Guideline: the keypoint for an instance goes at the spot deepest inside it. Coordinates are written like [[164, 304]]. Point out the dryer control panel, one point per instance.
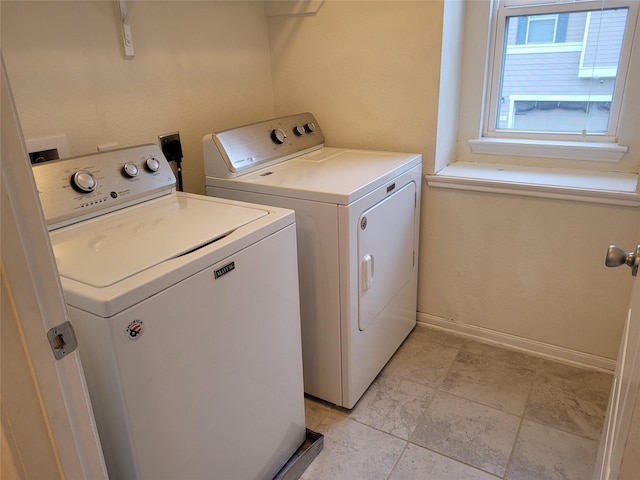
[[245, 149], [75, 189]]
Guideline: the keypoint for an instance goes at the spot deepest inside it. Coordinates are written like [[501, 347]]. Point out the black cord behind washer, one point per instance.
[[172, 149]]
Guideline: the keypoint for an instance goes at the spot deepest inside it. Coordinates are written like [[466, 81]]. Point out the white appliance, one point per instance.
[[357, 215], [186, 311]]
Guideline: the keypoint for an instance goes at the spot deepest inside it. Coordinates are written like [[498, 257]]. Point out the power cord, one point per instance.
[[172, 149]]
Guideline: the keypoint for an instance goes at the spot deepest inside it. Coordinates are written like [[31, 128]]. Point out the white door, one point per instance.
[[620, 443], [48, 428], [385, 248]]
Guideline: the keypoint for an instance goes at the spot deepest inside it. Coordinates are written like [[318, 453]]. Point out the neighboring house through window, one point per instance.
[[556, 68]]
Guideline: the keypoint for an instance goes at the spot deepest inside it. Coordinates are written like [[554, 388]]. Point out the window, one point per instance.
[[541, 29], [518, 160], [558, 69]]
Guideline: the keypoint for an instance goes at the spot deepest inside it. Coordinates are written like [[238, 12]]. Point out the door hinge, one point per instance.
[[62, 340]]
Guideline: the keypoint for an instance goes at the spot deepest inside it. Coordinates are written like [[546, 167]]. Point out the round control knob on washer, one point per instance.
[[299, 130], [278, 136], [84, 181], [130, 170], [310, 127], [153, 164]]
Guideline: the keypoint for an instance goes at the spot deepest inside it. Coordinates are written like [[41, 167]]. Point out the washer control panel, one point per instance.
[[78, 188], [245, 149]]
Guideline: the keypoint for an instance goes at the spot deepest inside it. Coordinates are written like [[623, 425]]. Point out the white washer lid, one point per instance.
[[110, 248], [333, 175]]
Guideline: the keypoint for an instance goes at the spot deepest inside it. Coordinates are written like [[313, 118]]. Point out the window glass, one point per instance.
[[541, 30], [559, 71]]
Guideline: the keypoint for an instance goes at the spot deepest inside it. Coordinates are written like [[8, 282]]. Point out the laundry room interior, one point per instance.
[[517, 265]]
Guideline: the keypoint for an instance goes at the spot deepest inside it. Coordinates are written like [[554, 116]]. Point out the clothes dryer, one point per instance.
[[357, 218]]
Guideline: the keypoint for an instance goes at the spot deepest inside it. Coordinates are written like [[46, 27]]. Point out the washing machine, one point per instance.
[[357, 218], [186, 312]]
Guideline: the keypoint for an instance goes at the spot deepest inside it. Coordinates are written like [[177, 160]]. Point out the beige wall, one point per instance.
[[529, 267], [198, 67], [370, 72]]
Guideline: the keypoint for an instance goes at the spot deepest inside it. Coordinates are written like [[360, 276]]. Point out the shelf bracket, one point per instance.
[[292, 7], [126, 11]]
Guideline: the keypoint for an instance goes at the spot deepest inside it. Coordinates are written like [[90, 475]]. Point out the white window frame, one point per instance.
[[501, 12]]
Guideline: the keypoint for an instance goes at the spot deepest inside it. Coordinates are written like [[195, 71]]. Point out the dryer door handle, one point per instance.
[[367, 272]]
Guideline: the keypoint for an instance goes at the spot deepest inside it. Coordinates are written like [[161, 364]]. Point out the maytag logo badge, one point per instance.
[[224, 270]]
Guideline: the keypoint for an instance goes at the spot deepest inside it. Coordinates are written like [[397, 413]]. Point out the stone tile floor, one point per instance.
[[450, 408]]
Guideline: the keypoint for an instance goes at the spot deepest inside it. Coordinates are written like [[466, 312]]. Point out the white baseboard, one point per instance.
[[533, 347]]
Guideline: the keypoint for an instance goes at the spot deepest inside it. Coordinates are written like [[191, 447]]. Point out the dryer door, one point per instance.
[[386, 252]]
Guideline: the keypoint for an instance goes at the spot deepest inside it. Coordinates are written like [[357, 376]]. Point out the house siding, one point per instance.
[[603, 44]]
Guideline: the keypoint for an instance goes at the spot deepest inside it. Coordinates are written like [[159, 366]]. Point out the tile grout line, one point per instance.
[[395, 465], [522, 418]]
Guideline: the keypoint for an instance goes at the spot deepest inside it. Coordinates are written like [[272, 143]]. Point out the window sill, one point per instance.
[[577, 185], [594, 151]]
